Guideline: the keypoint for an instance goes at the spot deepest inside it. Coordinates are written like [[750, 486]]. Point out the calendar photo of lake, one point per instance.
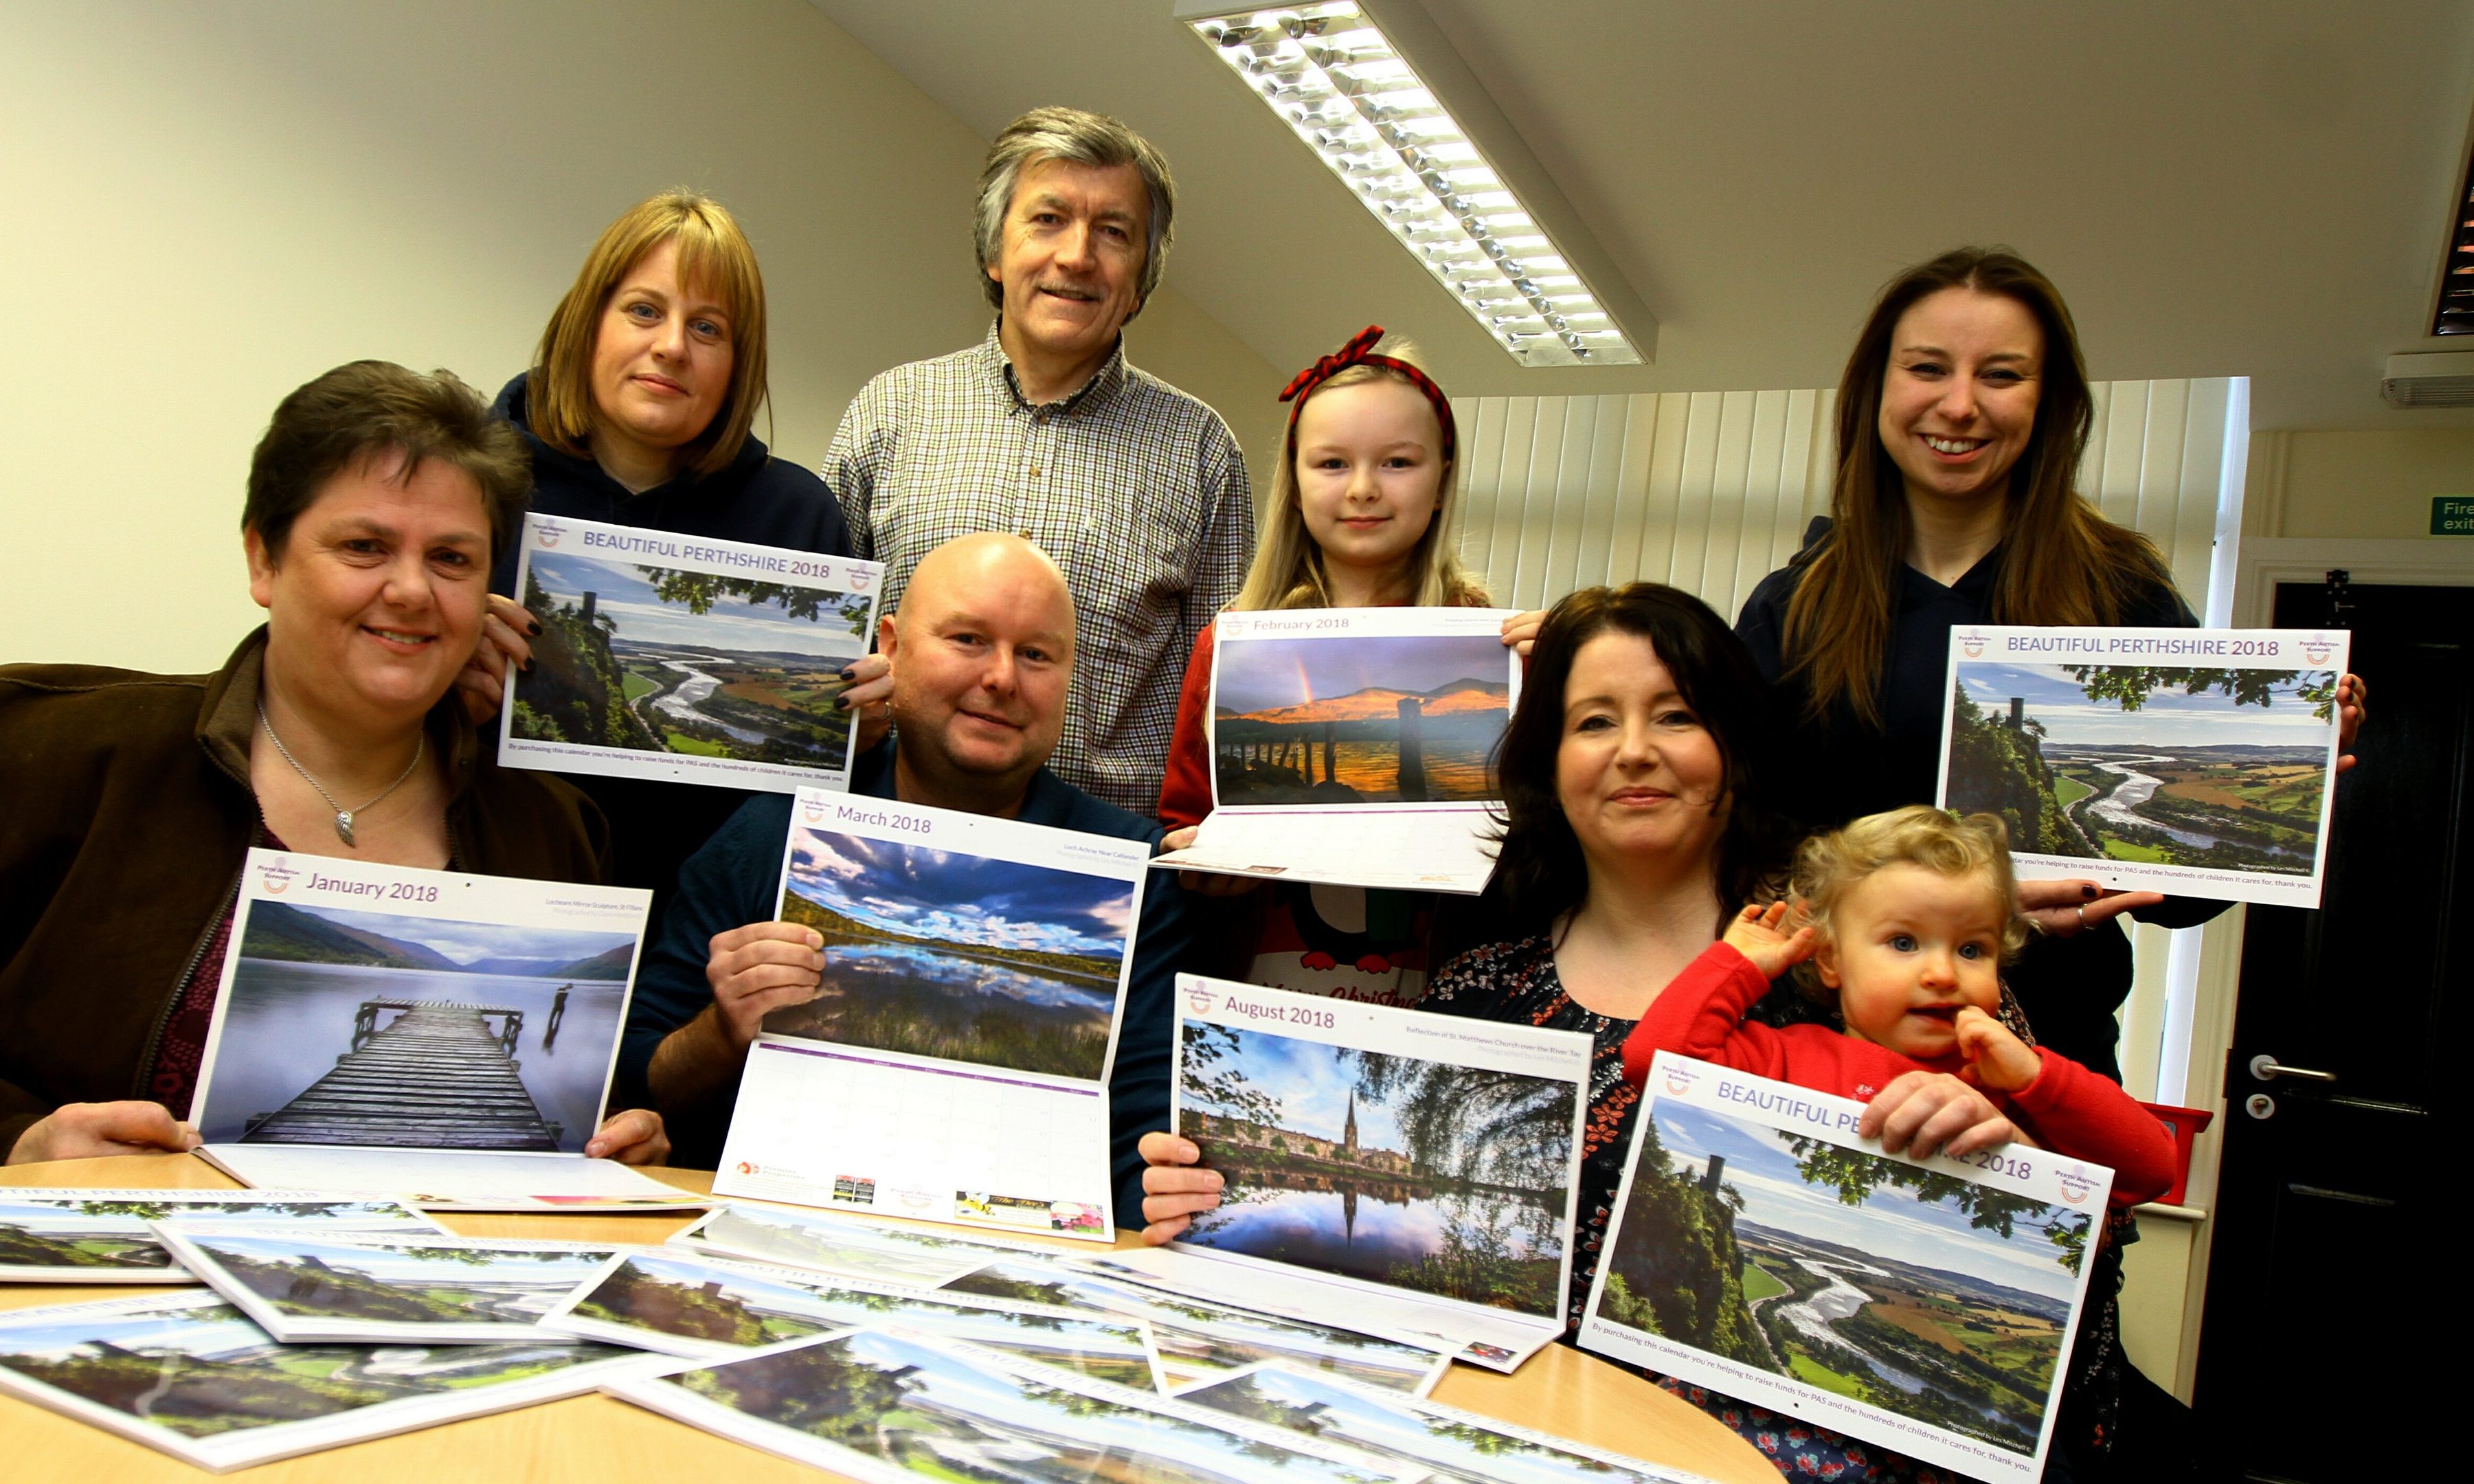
[[964, 957], [347, 1027], [1447, 1180]]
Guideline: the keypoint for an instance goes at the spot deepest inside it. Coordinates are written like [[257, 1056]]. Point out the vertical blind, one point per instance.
[[1709, 491]]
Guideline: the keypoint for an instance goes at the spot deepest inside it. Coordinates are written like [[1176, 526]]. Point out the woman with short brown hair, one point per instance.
[[376, 501]]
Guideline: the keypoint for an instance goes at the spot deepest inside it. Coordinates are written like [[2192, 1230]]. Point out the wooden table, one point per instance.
[[602, 1441]]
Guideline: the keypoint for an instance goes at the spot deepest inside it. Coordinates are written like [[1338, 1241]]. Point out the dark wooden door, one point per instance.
[[2332, 1322]]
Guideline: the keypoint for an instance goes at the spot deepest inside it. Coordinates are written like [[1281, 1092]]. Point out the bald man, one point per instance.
[[982, 651]]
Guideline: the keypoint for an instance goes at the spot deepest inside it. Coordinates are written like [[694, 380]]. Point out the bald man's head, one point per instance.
[[988, 560], [983, 652]]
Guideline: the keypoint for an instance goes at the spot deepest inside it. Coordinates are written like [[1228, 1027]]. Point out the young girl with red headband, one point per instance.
[[1357, 521]]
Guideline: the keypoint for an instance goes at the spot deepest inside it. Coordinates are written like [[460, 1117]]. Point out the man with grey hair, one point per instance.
[[1044, 431]]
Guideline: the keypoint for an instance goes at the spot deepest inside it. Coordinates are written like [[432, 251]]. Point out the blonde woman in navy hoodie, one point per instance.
[[639, 410]]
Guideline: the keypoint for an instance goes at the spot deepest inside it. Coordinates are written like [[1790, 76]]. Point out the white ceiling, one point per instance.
[[2230, 187]]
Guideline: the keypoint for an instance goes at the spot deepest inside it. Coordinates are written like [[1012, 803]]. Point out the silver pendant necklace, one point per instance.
[[342, 816]]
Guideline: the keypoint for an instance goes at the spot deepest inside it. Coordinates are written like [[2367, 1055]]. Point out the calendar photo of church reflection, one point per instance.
[[1446, 1179]]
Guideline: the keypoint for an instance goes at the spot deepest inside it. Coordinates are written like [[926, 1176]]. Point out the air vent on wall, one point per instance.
[[2444, 379]]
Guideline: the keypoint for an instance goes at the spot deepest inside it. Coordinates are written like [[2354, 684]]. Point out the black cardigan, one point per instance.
[[1839, 769]]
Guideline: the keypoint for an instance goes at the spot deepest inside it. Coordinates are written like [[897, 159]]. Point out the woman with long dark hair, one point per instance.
[[1963, 416]]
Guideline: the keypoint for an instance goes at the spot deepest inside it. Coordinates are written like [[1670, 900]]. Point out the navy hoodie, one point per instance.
[[736, 879], [759, 499]]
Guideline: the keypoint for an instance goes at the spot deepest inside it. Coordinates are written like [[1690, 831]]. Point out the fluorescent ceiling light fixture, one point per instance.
[[1335, 78]]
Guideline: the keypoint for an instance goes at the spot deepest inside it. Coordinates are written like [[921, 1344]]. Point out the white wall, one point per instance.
[[2352, 485], [213, 203]]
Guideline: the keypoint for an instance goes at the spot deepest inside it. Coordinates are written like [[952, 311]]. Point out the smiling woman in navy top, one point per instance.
[[1963, 416]]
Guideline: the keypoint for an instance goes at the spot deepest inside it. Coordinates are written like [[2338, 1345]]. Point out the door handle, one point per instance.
[[2267, 1070]]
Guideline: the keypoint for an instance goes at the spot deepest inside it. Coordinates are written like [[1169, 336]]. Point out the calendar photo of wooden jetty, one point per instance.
[[371, 1028], [1358, 719]]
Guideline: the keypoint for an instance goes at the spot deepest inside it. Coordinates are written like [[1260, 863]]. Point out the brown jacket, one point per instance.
[[125, 813]]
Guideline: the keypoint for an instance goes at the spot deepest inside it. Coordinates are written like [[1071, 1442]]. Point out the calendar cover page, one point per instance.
[[892, 1407], [1415, 1170], [953, 1063], [686, 658], [2195, 761], [1352, 745], [1760, 1249], [1200, 1338], [707, 1307], [438, 1035], [60, 1235]]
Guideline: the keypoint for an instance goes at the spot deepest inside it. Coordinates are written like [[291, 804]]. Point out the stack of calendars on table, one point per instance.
[[869, 1348]]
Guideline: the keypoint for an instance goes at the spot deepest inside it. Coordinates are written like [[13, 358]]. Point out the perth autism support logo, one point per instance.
[[2075, 1184], [812, 809], [861, 580], [274, 878], [1971, 645], [548, 533], [1199, 1001], [2318, 649], [1680, 1079]]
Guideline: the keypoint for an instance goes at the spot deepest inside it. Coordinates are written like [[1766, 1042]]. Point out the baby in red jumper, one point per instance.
[[1905, 918]]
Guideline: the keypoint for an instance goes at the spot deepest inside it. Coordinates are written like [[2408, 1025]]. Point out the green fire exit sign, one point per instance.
[[2452, 515]]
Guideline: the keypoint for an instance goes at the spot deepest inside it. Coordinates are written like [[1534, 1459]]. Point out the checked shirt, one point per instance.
[[1135, 489]]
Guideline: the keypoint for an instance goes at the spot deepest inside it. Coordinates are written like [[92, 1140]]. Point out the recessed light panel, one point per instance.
[[1333, 79]]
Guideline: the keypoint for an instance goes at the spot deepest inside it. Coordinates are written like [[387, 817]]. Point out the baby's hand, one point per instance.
[[1755, 933], [1996, 1059]]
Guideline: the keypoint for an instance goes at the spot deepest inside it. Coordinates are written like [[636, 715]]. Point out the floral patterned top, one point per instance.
[[1516, 983]]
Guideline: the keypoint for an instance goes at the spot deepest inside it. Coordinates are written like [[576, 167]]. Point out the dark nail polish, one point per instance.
[[534, 629], [527, 667], [2086, 892], [850, 675], [841, 703]]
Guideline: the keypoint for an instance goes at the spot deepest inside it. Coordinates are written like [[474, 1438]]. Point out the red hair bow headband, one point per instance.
[[1360, 352]]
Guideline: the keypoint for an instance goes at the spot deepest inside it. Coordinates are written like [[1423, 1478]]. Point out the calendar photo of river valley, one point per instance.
[[1876, 1280], [649, 660], [2226, 769]]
